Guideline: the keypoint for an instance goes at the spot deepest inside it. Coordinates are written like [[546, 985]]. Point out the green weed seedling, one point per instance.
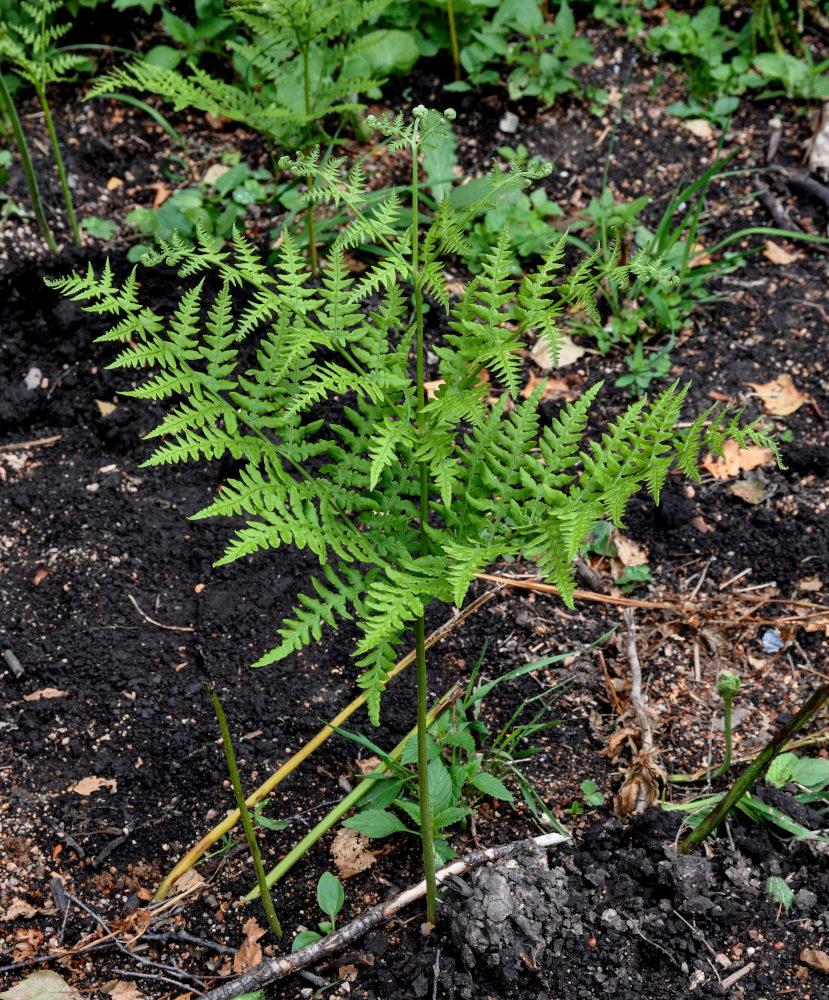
[[330, 898], [540, 61], [403, 498], [27, 47], [592, 798], [527, 215]]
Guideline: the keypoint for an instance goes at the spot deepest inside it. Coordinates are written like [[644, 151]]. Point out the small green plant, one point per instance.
[[632, 577], [527, 215], [705, 814], [215, 206], [403, 498], [540, 62], [466, 764], [645, 368], [27, 45], [785, 75], [330, 898], [591, 799], [779, 891]]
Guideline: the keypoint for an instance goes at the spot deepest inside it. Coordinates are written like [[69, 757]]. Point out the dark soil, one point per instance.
[[117, 618]]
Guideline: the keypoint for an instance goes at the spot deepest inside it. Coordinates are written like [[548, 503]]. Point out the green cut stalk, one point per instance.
[[64, 183], [453, 37], [28, 168], [250, 836], [754, 770], [350, 800]]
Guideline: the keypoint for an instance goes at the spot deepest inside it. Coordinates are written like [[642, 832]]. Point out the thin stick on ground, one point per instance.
[[273, 969], [639, 712]]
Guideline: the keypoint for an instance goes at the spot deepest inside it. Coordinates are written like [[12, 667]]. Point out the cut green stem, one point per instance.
[[754, 770], [28, 169], [64, 183], [241, 805]]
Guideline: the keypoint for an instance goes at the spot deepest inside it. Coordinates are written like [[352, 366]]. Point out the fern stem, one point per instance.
[[64, 183], [312, 236], [453, 37], [426, 832], [28, 169], [250, 836]]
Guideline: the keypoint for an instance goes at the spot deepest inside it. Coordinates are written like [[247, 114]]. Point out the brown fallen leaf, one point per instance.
[[779, 396], [250, 951], [815, 959], [19, 909], [628, 552], [555, 388], [214, 172], [123, 990], [113, 183], [86, 786], [736, 460], [699, 127], [432, 387], [777, 255], [812, 584], [568, 353], [701, 524], [753, 489], [45, 693], [350, 852]]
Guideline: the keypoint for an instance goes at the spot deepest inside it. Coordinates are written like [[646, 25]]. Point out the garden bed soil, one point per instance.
[[115, 618]]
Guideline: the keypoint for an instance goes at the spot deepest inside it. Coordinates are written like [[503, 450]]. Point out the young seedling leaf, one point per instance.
[[779, 891], [330, 895], [376, 823]]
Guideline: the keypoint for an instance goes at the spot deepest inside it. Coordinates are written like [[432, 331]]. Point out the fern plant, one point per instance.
[[404, 498], [295, 67], [27, 45]]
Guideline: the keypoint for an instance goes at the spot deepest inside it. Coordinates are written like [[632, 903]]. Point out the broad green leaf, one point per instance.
[[812, 772], [304, 938], [440, 785], [780, 770], [490, 785], [376, 823], [330, 895]]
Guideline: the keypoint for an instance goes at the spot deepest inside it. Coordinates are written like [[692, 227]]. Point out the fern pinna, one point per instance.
[[351, 491]]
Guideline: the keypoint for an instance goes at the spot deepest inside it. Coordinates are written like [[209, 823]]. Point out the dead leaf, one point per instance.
[[432, 387], [348, 972], [45, 693], [812, 584], [365, 765], [162, 193], [214, 172], [629, 552], [39, 576], [122, 990], [699, 256], [42, 985], [777, 255], [701, 524], [113, 183], [250, 951], [19, 908], [736, 460], [555, 388], [216, 122], [350, 852], [25, 944], [568, 352], [104, 407], [699, 127], [615, 741], [779, 396], [815, 959], [753, 489], [190, 880], [86, 786]]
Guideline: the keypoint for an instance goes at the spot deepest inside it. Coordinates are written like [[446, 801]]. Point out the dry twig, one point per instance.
[[277, 968]]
